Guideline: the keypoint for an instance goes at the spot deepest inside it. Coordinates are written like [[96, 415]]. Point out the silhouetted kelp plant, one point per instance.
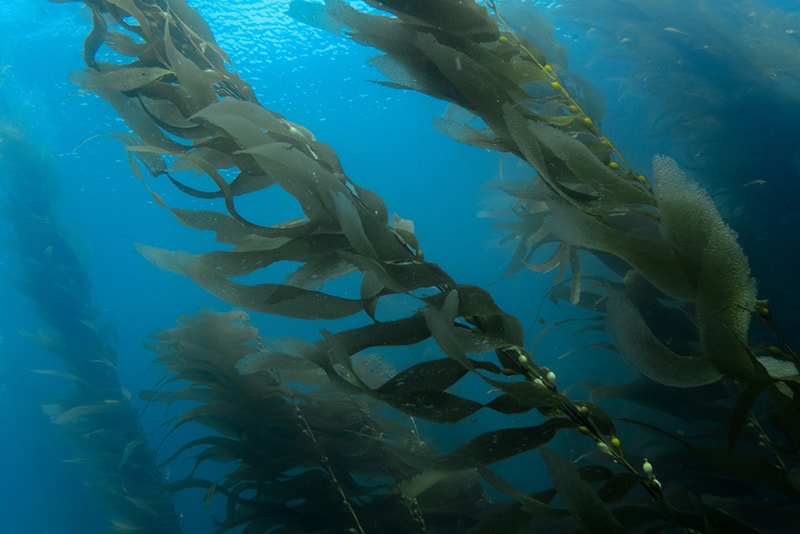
[[105, 435], [314, 439]]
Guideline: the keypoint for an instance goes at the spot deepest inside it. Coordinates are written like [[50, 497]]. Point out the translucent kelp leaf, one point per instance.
[[711, 258], [426, 480], [468, 135], [579, 497], [637, 344]]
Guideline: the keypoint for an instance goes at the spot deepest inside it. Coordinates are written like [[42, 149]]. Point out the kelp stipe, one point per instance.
[[107, 441]]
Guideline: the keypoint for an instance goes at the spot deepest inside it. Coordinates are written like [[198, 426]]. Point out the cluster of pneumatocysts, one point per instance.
[[572, 104], [580, 414]]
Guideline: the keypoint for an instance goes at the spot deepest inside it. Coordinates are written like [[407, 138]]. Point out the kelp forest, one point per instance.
[[334, 431]]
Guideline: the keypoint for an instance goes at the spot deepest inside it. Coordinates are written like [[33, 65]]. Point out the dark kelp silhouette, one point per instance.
[[107, 437], [276, 408]]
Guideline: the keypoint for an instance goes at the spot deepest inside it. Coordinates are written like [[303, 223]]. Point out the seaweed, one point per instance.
[[102, 428], [307, 433]]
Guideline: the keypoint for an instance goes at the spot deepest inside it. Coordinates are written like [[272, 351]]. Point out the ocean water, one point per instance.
[[385, 140]]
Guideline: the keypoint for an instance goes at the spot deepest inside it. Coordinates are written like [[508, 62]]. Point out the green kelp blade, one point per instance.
[[492, 447], [579, 497]]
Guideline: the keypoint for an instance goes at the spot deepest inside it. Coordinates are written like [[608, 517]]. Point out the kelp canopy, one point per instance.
[[276, 408]]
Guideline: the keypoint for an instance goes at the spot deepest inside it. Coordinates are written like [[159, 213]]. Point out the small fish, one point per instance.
[[755, 182], [212, 490], [123, 526], [675, 30]]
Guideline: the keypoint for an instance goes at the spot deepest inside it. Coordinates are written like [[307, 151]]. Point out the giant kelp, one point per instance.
[[189, 110], [721, 83], [671, 235], [104, 431]]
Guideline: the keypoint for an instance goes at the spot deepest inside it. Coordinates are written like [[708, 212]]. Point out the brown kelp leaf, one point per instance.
[[307, 249], [532, 506], [426, 480], [230, 230], [197, 83], [616, 186], [739, 464], [436, 375], [269, 298], [440, 323], [124, 44], [437, 406], [74, 413], [463, 133], [523, 395], [647, 354], [579, 496], [618, 486], [401, 332], [122, 78], [132, 111], [492, 447], [467, 19]]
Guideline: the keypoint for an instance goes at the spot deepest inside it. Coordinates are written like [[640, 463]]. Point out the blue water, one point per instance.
[[386, 143]]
